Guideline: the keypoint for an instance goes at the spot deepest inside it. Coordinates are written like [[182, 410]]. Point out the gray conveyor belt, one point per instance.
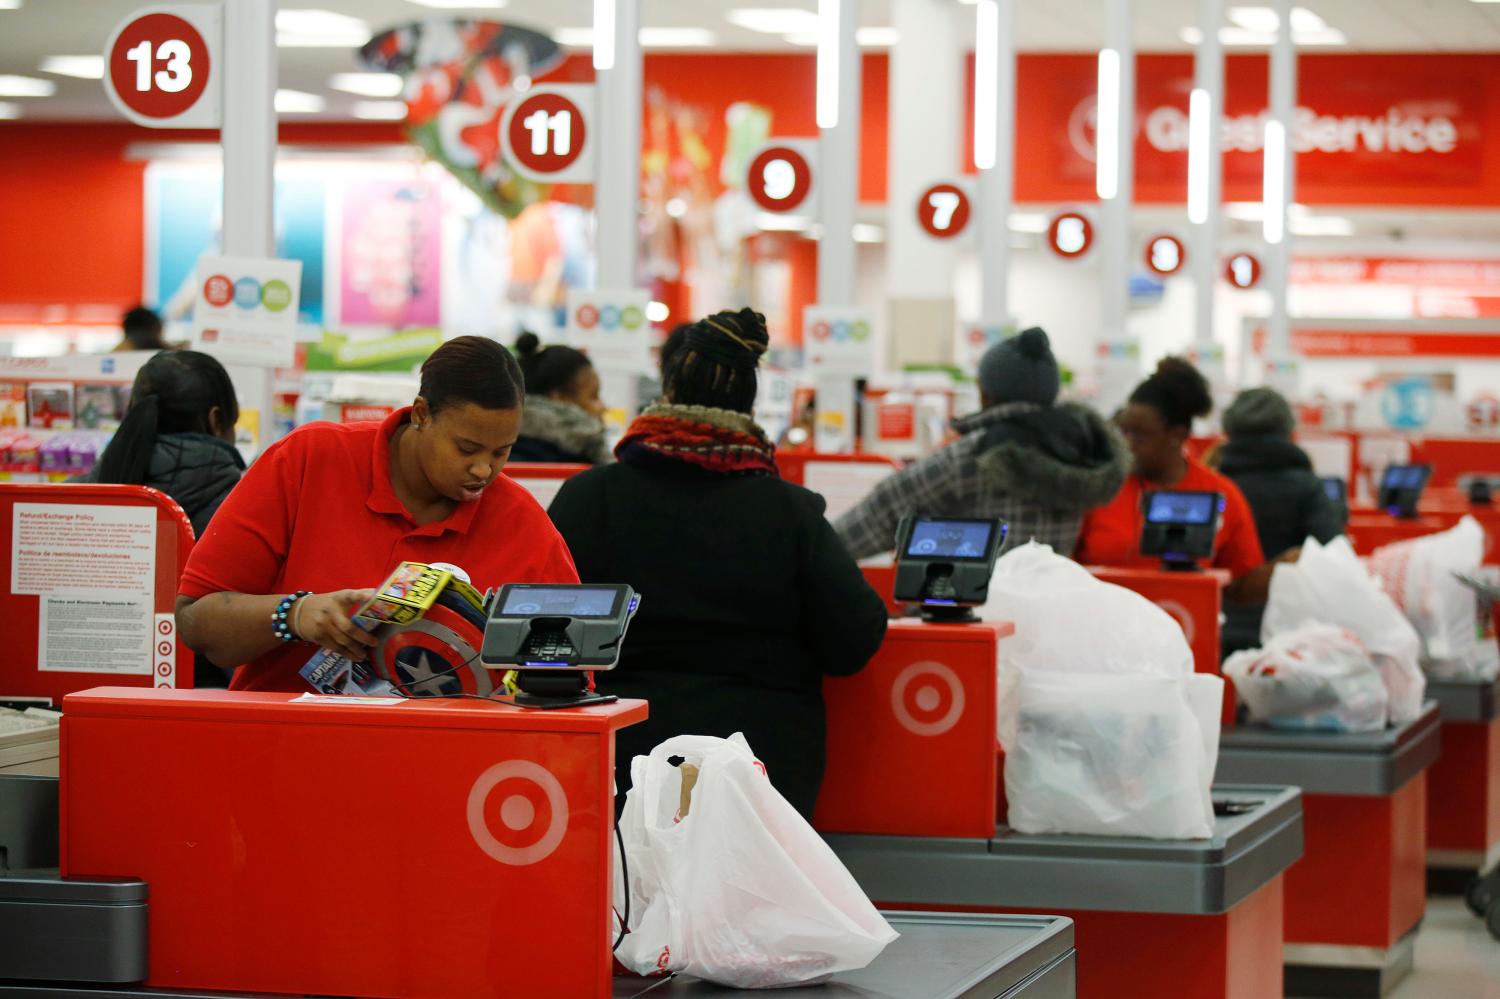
[[1349, 763], [937, 956], [1100, 873], [1465, 700]]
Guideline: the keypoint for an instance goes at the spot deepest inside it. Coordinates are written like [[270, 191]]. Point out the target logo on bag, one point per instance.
[[927, 698], [518, 812], [1182, 617]]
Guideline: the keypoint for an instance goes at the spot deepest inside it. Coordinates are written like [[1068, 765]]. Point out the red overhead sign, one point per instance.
[[1357, 344]]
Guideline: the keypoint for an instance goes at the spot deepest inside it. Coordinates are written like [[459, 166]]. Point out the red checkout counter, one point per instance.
[[909, 803]]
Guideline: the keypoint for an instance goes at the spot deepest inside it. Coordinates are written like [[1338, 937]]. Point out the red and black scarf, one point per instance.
[[714, 440]]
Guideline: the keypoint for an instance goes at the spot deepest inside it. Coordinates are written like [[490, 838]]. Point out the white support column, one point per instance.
[[994, 151], [1280, 181], [248, 138], [617, 64], [1206, 167], [1115, 172], [838, 115]]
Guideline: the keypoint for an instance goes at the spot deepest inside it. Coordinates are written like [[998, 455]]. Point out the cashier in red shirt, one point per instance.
[[1156, 424], [332, 508]]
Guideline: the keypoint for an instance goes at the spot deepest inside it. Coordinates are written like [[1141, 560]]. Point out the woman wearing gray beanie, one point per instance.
[[1034, 464], [1285, 496]]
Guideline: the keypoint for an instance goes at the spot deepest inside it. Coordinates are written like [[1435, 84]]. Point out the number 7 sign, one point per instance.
[[161, 66], [545, 133], [943, 210]]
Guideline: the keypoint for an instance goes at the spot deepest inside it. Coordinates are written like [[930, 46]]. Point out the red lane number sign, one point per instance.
[[1165, 255], [1070, 235], [160, 68], [780, 178], [546, 134], [943, 210], [1242, 270]]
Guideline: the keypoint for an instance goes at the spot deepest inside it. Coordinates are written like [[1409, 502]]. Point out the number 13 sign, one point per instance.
[[161, 66], [545, 134]]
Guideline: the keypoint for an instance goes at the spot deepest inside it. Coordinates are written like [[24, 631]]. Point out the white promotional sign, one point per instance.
[[611, 327], [1118, 371], [245, 311], [839, 341], [161, 66], [547, 135]]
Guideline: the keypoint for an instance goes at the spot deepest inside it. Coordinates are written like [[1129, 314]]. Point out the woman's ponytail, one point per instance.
[[127, 459]]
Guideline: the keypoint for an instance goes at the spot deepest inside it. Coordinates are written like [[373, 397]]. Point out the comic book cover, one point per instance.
[[405, 596]]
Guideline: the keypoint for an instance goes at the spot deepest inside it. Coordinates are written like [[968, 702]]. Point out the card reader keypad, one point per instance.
[[548, 646]]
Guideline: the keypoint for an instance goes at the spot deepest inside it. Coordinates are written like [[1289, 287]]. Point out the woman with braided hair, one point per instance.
[[748, 597]]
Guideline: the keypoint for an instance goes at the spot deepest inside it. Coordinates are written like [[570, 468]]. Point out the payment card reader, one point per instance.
[[945, 564], [1401, 489], [554, 636], [1180, 527]]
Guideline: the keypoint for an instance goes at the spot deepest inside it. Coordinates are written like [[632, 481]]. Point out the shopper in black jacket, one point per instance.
[[563, 419], [1285, 495], [178, 437], [748, 597]]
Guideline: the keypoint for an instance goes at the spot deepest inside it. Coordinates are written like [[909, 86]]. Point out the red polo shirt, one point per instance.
[[1111, 534], [317, 512]]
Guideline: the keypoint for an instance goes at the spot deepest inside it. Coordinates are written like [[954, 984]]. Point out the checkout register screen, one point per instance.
[[1181, 508], [564, 602], [949, 539]]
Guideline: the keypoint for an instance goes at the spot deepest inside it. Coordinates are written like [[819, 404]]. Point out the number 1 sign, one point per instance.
[[545, 134], [161, 66]]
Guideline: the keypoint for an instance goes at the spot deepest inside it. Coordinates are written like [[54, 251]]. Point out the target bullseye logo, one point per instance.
[[1182, 616], [927, 698], [509, 832]]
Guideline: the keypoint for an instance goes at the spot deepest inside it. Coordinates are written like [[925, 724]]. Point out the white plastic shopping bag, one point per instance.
[[1106, 728], [741, 891], [1317, 677], [1423, 577], [1329, 585]]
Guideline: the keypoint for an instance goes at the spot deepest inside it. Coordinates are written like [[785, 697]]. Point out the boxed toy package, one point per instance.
[[428, 625]]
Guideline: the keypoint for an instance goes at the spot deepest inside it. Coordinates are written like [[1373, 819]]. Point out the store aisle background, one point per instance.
[[1456, 958]]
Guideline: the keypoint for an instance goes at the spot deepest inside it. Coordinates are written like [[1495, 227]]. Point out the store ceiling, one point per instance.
[[41, 28]]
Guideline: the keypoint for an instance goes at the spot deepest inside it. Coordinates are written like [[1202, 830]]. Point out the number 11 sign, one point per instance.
[[161, 66], [545, 134]]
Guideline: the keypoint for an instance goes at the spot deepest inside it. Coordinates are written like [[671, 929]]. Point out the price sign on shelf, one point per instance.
[[780, 175], [1165, 254], [943, 210], [161, 66], [546, 134], [1070, 235], [1242, 270]]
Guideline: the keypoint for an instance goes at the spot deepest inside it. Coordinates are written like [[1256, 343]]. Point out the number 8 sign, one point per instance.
[[161, 66], [545, 134]]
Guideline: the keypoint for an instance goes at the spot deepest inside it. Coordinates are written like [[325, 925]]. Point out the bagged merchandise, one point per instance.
[[1329, 585], [728, 882], [1423, 577], [1107, 730], [1317, 677]]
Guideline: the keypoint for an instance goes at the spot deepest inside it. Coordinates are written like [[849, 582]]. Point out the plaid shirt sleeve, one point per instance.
[[929, 485]]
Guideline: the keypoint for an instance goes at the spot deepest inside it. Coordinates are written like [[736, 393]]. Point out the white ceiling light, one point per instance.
[[460, 4], [367, 84], [869, 38], [26, 86], [298, 102], [380, 110], [826, 102], [650, 38], [866, 232], [657, 312], [84, 67], [8, 111], [10, 4], [1261, 19], [319, 29], [604, 34], [1107, 132], [772, 222], [986, 83], [775, 20], [1034, 222], [1320, 225], [1255, 27]]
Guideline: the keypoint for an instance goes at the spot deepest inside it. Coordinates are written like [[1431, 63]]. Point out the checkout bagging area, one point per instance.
[[1012, 806]]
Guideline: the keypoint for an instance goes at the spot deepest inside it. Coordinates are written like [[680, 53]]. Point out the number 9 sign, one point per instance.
[[161, 66], [780, 175]]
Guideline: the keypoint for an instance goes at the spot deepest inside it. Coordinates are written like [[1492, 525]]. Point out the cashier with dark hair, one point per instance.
[[1156, 424], [330, 510], [748, 597]]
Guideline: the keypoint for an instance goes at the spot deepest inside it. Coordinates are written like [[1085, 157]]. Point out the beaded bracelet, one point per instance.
[[279, 624]]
